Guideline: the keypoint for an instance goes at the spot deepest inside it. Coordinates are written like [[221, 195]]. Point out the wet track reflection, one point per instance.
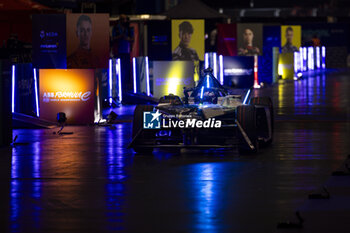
[[91, 182]]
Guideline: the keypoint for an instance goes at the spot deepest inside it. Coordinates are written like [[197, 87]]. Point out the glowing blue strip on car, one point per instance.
[[246, 97]]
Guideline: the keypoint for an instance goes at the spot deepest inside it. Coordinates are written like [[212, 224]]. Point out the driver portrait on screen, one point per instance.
[[289, 47], [83, 57], [183, 52], [248, 49]]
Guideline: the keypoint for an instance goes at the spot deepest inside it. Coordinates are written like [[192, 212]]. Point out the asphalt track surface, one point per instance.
[[90, 182]]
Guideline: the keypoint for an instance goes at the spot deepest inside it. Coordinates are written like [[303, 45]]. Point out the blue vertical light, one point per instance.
[[301, 59], [13, 87], [208, 83], [118, 72], [110, 82], [206, 60], [305, 59], [221, 63], [147, 77], [36, 93], [310, 58], [323, 57], [215, 65], [134, 73], [318, 65]]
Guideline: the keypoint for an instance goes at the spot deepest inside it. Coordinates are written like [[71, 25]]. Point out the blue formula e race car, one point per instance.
[[208, 116]]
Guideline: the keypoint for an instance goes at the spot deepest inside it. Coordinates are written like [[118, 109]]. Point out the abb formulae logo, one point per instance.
[[66, 96]]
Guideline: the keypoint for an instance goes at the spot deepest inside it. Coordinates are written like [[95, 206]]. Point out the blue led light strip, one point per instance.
[[305, 59], [13, 88], [36, 93], [134, 73], [147, 77], [318, 65], [119, 73], [206, 60], [215, 65], [323, 50], [221, 63], [301, 59], [310, 58], [110, 82]]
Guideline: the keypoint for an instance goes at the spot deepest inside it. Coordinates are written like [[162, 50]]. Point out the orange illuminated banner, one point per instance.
[[69, 91]]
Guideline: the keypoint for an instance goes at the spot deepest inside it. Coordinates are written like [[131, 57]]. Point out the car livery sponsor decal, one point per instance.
[[155, 120]]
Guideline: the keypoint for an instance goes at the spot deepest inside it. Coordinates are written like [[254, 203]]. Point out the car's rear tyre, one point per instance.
[[246, 117], [137, 125], [265, 101]]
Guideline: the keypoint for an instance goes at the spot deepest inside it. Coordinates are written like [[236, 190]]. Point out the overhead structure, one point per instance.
[[17, 5], [193, 9]]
